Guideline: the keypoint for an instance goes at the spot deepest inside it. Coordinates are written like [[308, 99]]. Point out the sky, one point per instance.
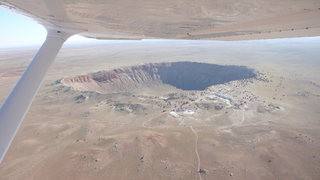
[[18, 31]]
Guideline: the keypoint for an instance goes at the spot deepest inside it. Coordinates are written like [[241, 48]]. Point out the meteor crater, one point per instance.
[[182, 75]]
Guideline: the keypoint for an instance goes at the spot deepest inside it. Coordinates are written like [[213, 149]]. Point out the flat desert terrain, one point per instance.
[[202, 110]]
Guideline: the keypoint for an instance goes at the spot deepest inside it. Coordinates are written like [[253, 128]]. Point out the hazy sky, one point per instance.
[[18, 31]]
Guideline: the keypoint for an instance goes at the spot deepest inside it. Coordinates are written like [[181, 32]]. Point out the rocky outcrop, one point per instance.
[[182, 75]]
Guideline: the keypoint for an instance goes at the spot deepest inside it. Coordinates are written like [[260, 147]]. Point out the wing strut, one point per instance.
[[19, 100]]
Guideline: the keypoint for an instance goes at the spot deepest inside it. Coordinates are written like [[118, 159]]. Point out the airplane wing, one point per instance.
[[147, 19], [176, 19]]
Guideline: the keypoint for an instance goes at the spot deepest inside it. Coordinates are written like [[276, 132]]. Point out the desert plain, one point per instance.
[[102, 114]]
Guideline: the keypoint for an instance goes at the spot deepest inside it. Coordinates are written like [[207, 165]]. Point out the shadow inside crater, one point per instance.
[[199, 76]]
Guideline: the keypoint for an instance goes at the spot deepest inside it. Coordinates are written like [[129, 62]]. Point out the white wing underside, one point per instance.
[[176, 19]]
